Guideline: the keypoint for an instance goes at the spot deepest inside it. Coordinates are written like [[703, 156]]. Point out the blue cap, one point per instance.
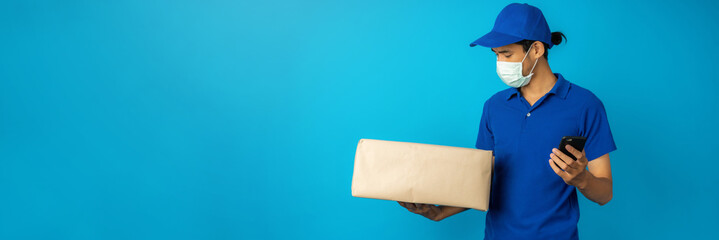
[[515, 23]]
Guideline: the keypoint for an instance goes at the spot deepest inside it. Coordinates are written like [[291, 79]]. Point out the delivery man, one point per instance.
[[531, 197]]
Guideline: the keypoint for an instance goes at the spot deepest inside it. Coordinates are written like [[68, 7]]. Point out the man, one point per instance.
[[533, 194]]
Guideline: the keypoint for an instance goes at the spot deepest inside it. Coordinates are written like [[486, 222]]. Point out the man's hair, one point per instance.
[[556, 40]]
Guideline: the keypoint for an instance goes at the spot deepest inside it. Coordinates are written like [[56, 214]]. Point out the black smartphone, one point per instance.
[[576, 141]]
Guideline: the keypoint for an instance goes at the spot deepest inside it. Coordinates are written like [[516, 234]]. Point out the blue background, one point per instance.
[[239, 119]]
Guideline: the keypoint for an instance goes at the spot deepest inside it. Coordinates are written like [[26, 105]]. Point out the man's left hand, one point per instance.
[[573, 172]]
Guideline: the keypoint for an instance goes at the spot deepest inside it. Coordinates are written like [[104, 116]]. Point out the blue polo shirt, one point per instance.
[[528, 200]]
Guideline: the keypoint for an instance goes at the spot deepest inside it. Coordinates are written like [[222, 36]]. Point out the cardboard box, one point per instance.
[[422, 173]]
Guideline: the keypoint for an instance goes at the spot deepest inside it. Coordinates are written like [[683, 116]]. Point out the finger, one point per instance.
[[584, 159], [556, 169], [563, 157], [575, 165], [580, 163], [559, 162], [417, 207], [438, 210], [423, 208], [410, 205], [577, 154], [435, 210]]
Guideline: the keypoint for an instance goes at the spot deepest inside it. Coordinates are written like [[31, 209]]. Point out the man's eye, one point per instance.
[[507, 55]]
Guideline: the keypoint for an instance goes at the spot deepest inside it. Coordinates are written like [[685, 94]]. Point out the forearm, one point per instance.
[[597, 189], [447, 211]]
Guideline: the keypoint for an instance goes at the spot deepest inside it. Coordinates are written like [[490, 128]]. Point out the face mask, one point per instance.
[[511, 72]]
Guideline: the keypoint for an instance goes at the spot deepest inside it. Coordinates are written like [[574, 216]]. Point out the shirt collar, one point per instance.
[[560, 88]]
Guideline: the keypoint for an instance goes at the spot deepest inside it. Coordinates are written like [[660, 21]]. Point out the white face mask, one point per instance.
[[511, 72]]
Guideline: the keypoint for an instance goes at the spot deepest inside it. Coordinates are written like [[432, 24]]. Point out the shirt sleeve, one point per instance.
[[595, 127], [485, 138]]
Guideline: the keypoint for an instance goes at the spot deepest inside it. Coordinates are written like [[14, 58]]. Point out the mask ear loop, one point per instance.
[[535, 61], [535, 64], [525, 55]]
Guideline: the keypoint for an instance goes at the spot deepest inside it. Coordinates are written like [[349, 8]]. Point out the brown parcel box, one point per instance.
[[422, 173]]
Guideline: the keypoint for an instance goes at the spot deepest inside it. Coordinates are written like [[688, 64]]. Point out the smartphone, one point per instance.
[[576, 141]]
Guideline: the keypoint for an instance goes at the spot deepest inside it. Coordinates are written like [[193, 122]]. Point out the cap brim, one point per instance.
[[495, 39]]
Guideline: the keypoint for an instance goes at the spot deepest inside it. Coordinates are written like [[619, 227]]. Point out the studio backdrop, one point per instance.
[[240, 119]]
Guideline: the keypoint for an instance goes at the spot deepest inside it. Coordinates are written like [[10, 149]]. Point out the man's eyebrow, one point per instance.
[[501, 51]]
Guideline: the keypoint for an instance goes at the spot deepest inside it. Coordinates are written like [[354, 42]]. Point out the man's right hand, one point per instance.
[[427, 210]]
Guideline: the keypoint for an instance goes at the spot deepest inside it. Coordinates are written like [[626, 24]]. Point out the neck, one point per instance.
[[542, 81]]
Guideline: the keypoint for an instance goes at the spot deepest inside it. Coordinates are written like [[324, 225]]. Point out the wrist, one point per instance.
[[584, 179]]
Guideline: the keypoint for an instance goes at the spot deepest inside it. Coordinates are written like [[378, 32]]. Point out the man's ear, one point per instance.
[[537, 49]]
